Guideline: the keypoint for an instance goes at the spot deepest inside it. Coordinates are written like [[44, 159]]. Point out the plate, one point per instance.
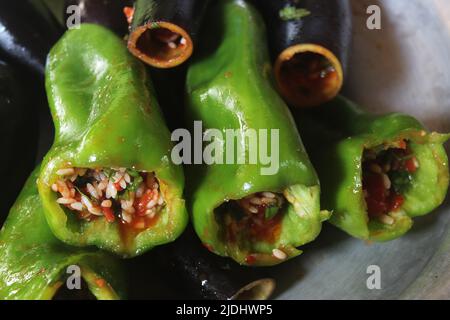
[[402, 67]]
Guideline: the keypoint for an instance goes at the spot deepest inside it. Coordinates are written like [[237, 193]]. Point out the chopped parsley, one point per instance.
[[271, 212], [293, 13], [401, 180]]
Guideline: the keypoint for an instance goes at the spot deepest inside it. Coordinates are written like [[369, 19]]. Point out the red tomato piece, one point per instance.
[[376, 199], [109, 214], [142, 202], [410, 165]]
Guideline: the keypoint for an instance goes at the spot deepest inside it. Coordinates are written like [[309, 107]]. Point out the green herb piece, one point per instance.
[[293, 13], [271, 212], [401, 180], [134, 185], [108, 172]]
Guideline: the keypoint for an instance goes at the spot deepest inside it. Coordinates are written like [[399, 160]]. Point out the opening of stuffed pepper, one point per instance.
[[161, 44], [308, 75], [388, 172], [254, 218], [122, 195]]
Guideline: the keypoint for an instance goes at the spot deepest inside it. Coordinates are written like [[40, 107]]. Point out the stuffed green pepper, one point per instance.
[[107, 180], [377, 172], [255, 211], [35, 265]]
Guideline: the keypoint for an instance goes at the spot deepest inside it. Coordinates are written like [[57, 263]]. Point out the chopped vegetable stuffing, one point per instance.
[[256, 217], [293, 13], [128, 195], [387, 175]]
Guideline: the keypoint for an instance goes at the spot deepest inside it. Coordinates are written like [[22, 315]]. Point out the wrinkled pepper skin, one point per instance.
[[105, 115], [229, 87], [33, 264], [19, 133], [335, 136]]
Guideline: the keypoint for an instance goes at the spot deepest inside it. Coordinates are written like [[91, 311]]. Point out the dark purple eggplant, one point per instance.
[[108, 13], [166, 82], [163, 33], [18, 133], [309, 42], [25, 35], [202, 275]]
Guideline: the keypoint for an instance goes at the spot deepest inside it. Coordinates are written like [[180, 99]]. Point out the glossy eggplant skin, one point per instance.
[[179, 16], [328, 25], [185, 13], [207, 276], [166, 82], [25, 35], [18, 133], [107, 13]]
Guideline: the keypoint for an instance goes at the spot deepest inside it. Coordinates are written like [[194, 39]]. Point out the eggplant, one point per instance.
[[166, 82], [25, 35], [309, 42], [163, 33], [206, 276], [19, 132], [108, 13]]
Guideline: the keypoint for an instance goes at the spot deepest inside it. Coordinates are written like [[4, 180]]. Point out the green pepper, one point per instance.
[[229, 87], [377, 172], [108, 179], [34, 263]]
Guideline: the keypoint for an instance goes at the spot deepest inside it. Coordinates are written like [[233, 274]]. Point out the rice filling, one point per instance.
[[256, 217], [117, 194]]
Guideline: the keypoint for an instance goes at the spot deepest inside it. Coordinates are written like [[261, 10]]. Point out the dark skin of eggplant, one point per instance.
[[166, 82], [328, 25], [202, 274], [19, 132], [108, 13], [185, 14], [26, 36]]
